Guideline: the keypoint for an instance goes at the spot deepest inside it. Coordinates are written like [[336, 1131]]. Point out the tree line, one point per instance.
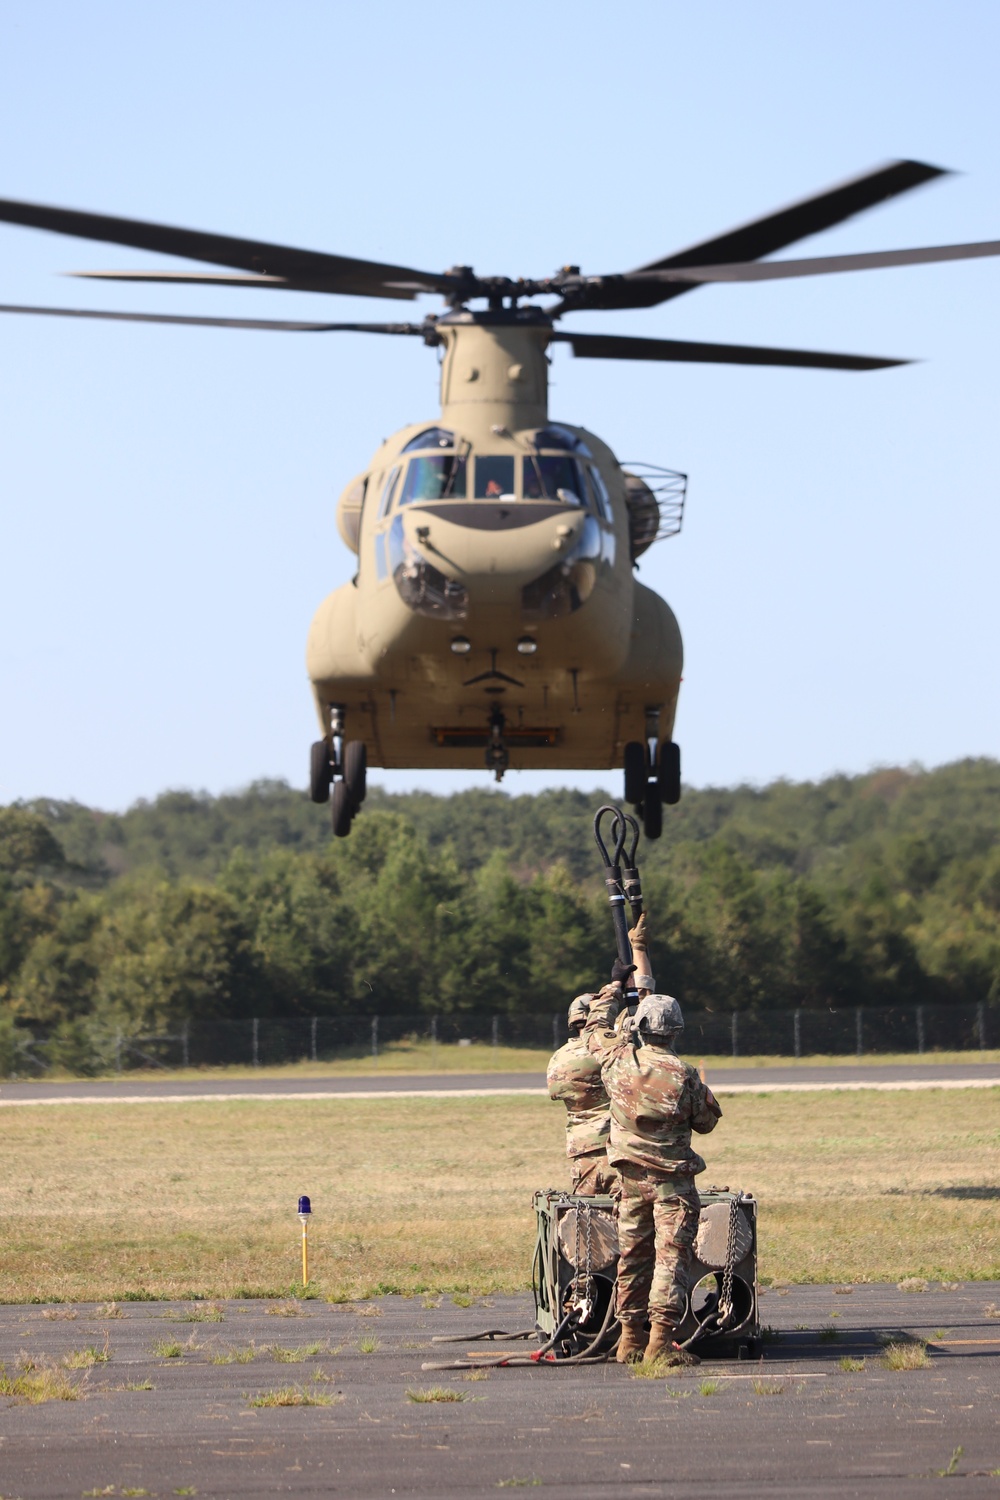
[[870, 890]]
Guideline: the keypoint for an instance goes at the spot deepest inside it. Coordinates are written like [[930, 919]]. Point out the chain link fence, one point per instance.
[[263, 1042]]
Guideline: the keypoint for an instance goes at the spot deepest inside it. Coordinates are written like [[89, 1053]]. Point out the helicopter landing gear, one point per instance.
[[342, 767], [320, 771], [652, 812], [652, 775], [497, 754], [342, 810], [356, 770], [636, 762]]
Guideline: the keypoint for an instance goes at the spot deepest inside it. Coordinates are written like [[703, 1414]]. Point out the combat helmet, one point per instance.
[[578, 1010], [658, 1016]]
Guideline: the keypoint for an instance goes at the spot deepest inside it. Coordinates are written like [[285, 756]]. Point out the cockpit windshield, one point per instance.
[[437, 477], [553, 476]]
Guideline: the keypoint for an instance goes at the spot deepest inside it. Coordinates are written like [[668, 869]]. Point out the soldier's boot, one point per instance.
[[662, 1346], [631, 1344]]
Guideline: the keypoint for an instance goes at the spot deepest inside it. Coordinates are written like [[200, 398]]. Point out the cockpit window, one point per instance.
[[437, 478], [601, 496], [431, 437], [494, 477], [387, 489], [546, 474], [557, 436]]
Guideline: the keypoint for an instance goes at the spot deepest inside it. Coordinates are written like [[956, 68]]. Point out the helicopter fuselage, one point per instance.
[[495, 581]]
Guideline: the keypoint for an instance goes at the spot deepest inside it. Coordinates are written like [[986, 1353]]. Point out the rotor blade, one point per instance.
[[310, 269], [268, 324], [778, 270], [761, 236], [616, 346]]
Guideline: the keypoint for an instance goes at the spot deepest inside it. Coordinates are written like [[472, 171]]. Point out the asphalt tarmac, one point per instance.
[[147, 1422], [724, 1080]]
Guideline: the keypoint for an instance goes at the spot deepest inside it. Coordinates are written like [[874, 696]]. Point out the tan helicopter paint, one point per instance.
[[595, 672]]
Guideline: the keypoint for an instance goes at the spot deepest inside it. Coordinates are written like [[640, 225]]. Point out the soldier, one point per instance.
[[656, 1101], [574, 1076]]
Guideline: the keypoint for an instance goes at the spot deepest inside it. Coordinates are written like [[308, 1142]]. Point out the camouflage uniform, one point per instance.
[[574, 1076], [656, 1101]]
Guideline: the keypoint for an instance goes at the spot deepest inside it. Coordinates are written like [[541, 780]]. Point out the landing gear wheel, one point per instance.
[[320, 771], [636, 771], [668, 773], [652, 812], [356, 770], [342, 812]]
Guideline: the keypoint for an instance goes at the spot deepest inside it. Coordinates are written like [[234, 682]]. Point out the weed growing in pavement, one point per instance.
[[850, 1366], [909, 1356], [941, 1333], [38, 1383], [135, 1490], [517, 1484], [477, 1375], [708, 1388], [462, 1299], [436, 1393], [913, 1284], [67, 1313], [369, 1310], [205, 1313], [85, 1359], [287, 1310], [991, 1310], [186, 1489], [769, 1335], [843, 1291], [167, 1349], [952, 1463], [651, 1369], [829, 1334], [291, 1395], [110, 1310], [950, 1286], [108, 1489], [767, 1388], [369, 1344], [431, 1304], [136, 1385], [238, 1355], [287, 1356]]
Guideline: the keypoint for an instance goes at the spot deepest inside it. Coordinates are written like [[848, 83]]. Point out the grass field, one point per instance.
[[115, 1201], [419, 1056]]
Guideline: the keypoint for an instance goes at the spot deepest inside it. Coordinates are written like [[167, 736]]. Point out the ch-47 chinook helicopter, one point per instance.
[[495, 607]]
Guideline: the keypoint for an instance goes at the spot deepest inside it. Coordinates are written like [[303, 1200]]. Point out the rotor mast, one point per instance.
[[495, 373]]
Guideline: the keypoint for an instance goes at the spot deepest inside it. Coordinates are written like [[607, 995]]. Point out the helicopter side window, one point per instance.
[[601, 496], [435, 477], [431, 437], [546, 474], [494, 477], [558, 436], [387, 489]]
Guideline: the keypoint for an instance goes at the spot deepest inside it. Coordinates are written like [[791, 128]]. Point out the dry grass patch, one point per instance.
[[114, 1219], [767, 1387], [38, 1382], [238, 1355], [849, 1365], [291, 1395], [287, 1309], [436, 1393], [292, 1356], [910, 1355], [85, 1359]]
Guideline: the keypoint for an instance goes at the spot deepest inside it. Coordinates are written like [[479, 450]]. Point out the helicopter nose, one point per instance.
[[493, 550]]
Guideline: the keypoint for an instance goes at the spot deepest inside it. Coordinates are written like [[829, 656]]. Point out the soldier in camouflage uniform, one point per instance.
[[574, 1076], [656, 1101]]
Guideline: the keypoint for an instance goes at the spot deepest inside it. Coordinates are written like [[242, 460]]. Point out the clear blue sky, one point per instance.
[[168, 494]]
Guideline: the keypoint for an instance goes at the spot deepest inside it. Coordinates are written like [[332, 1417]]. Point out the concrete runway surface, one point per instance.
[[806, 1428], [724, 1080]]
